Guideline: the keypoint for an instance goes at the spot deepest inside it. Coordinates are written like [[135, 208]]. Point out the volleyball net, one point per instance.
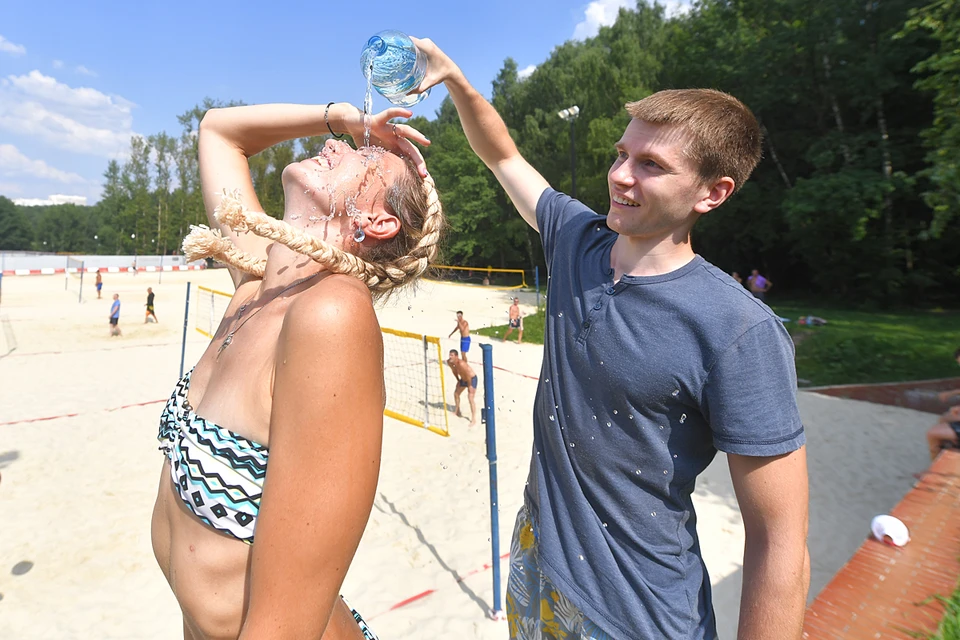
[[73, 277], [412, 370], [479, 276]]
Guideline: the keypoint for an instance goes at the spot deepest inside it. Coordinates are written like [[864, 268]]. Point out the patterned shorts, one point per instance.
[[536, 610]]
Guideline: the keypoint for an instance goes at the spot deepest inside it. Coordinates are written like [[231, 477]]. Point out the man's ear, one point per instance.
[[719, 192]]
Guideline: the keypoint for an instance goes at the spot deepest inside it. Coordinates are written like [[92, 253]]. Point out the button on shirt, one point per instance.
[[643, 380]]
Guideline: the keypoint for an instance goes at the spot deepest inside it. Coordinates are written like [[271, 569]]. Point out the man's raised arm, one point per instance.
[[486, 132]]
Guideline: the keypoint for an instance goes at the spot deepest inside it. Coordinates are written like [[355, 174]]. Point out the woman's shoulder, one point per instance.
[[338, 306]]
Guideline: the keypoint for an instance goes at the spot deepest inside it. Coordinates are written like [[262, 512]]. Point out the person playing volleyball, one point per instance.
[[293, 374], [466, 380], [464, 328]]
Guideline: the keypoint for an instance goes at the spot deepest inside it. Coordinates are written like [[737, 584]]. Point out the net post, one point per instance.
[[488, 414], [426, 381], [66, 273], [536, 280], [83, 264], [186, 321], [160, 277]]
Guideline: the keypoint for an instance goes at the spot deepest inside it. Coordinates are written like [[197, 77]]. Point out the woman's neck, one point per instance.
[[285, 266]]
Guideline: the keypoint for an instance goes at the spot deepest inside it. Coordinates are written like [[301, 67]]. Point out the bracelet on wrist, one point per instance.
[[326, 120]]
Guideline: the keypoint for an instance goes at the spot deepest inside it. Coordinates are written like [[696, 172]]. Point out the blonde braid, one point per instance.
[[203, 242], [379, 278]]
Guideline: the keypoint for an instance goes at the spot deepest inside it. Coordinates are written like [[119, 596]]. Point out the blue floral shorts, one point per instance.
[[536, 610]]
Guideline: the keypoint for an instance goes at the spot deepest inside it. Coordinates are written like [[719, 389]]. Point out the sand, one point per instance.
[[80, 465]]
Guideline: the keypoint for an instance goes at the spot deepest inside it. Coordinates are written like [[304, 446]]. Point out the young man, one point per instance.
[[150, 310], [464, 328], [516, 321], [99, 283], [654, 359], [115, 316], [466, 379]]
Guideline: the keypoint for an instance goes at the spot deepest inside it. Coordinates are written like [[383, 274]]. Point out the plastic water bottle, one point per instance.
[[394, 66]]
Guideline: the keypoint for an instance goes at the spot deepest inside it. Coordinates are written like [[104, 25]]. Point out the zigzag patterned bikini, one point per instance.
[[218, 474]]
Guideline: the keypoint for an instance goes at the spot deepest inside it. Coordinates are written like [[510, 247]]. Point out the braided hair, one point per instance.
[[391, 264]]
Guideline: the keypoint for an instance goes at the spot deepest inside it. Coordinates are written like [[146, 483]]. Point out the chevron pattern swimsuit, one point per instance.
[[218, 474]]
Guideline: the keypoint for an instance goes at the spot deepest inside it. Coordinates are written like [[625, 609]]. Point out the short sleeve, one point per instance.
[[554, 210], [750, 396]]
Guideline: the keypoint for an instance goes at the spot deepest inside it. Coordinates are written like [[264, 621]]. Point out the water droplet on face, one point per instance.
[[552, 419], [683, 418]]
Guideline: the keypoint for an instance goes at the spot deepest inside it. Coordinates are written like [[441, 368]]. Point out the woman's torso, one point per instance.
[[208, 570]]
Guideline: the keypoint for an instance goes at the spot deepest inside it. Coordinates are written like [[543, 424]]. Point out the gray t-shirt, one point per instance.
[[643, 381]]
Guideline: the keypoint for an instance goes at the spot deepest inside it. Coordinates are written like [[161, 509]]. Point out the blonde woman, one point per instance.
[[258, 550]]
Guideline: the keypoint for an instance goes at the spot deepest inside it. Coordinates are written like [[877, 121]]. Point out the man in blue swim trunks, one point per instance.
[[464, 328], [466, 379]]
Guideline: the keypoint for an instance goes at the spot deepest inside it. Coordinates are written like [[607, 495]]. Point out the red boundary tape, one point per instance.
[[73, 415]]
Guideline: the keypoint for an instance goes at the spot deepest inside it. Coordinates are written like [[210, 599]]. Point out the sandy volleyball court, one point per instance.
[[80, 465]]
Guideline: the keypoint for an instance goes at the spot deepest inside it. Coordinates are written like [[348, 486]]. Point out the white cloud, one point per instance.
[[82, 70], [14, 163], [58, 64], [603, 13], [78, 119], [14, 49], [54, 199], [526, 72], [599, 13]]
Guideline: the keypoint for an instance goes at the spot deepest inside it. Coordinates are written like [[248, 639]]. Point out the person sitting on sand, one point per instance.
[[945, 434], [293, 375], [466, 379]]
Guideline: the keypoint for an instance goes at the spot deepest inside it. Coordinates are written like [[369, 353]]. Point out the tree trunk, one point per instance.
[[773, 155], [835, 108]]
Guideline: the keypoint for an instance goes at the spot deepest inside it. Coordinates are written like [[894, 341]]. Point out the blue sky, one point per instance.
[[77, 80]]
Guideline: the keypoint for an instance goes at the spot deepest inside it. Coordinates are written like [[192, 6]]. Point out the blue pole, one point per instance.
[[488, 415], [186, 321], [536, 279]]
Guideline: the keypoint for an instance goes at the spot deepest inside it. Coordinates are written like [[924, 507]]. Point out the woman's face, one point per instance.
[[340, 181]]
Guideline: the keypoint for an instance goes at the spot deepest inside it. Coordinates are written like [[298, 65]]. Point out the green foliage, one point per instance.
[[949, 628], [16, 233]]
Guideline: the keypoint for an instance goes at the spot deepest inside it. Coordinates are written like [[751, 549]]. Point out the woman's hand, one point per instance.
[[392, 136], [440, 67]]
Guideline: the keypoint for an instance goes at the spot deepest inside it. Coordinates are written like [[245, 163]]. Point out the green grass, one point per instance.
[[532, 329], [853, 347], [949, 628], [873, 346]]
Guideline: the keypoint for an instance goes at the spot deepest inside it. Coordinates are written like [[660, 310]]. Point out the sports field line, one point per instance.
[[424, 594], [74, 415], [24, 354]]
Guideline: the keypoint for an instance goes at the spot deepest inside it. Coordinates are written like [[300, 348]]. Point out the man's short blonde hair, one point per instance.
[[724, 136]]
